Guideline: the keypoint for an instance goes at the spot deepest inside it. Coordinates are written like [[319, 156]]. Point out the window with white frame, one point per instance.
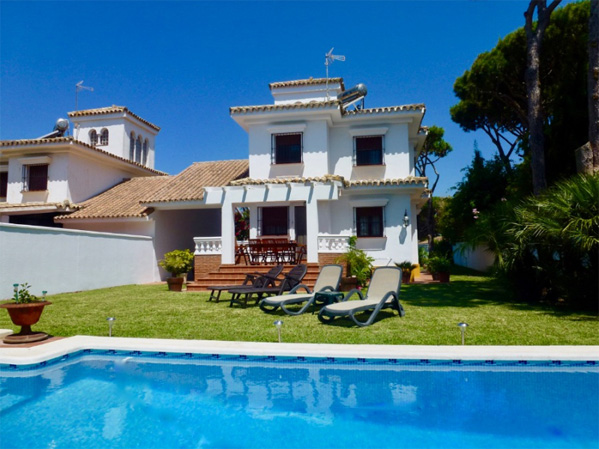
[[370, 221], [104, 137], [369, 150], [35, 177], [286, 148], [93, 137], [138, 149]]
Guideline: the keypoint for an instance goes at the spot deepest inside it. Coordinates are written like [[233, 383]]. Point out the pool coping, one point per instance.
[[59, 348]]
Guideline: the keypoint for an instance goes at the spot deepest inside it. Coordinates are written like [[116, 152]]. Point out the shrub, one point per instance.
[[177, 262], [439, 264], [358, 263]]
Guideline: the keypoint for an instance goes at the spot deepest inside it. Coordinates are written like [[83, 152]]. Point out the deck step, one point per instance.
[[235, 275]]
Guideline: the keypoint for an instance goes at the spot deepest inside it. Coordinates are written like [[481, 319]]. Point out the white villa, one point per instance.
[[319, 171]]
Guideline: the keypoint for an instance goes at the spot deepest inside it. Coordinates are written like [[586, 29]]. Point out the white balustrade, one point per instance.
[[333, 243], [208, 245]]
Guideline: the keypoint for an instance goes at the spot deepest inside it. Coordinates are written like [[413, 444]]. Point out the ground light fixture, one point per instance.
[[279, 324], [16, 288], [463, 327], [111, 321]]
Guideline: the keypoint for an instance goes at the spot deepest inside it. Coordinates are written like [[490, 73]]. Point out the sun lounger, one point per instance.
[[251, 280], [383, 292], [328, 280], [241, 295]]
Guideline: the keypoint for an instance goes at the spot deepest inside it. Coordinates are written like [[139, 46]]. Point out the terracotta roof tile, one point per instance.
[[71, 140], [64, 205], [387, 109], [328, 178], [111, 110], [120, 201], [283, 107], [189, 184], [306, 82]]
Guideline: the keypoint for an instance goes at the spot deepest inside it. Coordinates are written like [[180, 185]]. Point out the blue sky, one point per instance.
[[182, 64]]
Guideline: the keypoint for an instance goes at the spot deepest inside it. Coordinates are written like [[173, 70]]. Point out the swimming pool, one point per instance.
[[107, 398]]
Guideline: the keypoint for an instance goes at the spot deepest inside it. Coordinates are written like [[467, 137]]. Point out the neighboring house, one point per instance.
[[42, 178]]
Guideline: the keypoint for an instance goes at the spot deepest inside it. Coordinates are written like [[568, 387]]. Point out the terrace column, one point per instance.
[[312, 229], [228, 233]]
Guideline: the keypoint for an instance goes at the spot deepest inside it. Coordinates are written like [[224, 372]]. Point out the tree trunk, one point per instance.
[[534, 40], [430, 224], [593, 83]]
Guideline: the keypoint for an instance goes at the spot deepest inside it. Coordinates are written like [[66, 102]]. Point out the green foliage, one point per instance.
[[547, 247], [406, 266], [177, 262], [242, 223], [493, 94], [422, 255], [22, 295], [552, 242], [484, 185], [358, 263], [439, 264]]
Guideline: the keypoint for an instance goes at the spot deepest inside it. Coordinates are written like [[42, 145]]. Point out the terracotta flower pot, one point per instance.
[[25, 315], [175, 284], [443, 277], [405, 277]]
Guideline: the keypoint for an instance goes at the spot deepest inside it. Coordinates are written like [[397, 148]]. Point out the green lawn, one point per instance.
[[432, 314]]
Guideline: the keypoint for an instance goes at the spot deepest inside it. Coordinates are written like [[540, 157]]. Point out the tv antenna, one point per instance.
[[78, 87], [328, 60]]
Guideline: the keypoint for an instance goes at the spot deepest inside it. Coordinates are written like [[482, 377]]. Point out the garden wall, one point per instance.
[[68, 260], [480, 259]]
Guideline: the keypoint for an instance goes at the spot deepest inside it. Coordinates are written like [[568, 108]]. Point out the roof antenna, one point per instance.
[[328, 60], [78, 87]]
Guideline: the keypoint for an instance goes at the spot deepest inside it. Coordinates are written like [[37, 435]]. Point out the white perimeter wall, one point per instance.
[[65, 260], [480, 259]]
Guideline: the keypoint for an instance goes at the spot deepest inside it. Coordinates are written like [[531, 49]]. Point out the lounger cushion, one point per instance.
[[287, 299], [343, 308]]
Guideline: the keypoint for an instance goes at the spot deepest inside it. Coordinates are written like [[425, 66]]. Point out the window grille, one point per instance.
[[286, 148], [93, 138], [369, 150], [104, 137]]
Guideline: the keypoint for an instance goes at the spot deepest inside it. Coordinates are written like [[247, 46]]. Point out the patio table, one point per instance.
[[326, 298]]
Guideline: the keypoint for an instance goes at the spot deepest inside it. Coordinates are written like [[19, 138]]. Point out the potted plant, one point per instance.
[[359, 266], [177, 263], [25, 310], [439, 267], [406, 270]]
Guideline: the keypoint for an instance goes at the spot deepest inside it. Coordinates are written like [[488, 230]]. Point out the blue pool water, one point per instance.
[[100, 400]]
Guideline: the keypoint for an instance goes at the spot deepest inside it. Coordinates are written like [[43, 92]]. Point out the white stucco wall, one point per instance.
[[71, 176], [480, 259], [63, 260]]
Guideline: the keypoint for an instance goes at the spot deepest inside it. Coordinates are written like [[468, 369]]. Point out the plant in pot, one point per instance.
[[359, 266], [25, 310], [178, 263], [406, 270], [439, 267]]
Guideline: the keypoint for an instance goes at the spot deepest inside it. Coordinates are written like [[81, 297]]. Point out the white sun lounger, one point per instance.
[[328, 280]]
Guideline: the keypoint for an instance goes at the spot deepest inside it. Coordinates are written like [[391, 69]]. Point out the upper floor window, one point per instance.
[[368, 150], [132, 146], [3, 184], [35, 177], [286, 148], [138, 149], [93, 137], [144, 160], [104, 137], [369, 221]]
